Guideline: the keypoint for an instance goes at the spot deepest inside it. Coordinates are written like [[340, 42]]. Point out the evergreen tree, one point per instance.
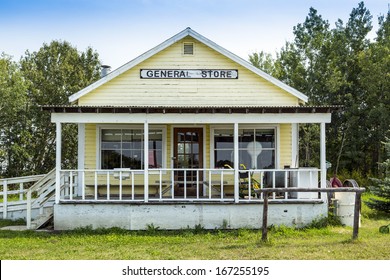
[[381, 186]]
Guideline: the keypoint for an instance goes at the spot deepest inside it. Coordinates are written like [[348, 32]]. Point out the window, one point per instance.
[[124, 148], [188, 48], [256, 148], [223, 148]]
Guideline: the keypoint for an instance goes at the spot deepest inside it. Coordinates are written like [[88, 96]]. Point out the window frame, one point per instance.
[[183, 48], [276, 129], [99, 129]]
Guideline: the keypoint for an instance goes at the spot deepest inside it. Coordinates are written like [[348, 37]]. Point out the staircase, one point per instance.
[[41, 196], [36, 199]]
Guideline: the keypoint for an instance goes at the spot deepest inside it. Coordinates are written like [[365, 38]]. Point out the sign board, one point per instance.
[[189, 74]]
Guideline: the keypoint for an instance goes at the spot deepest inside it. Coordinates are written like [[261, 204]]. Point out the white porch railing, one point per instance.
[[172, 184]]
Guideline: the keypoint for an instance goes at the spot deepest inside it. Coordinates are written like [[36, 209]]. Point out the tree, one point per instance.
[[263, 61], [12, 113], [375, 85], [53, 73], [340, 66], [381, 186]]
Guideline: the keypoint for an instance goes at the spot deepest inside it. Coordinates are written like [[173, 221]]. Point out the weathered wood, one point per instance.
[[356, 215], [330, 190], [265, 218], [358, 192]]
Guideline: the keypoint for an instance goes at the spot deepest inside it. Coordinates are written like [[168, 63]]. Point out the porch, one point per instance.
[[112, 198], [170, 153], [186, 185], [180, 166]]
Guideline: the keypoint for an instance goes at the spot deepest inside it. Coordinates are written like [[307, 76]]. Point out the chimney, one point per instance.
[[105, 70]]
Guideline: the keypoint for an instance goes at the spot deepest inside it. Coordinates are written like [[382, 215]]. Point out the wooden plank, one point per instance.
[[264, 234], [358, 192], [356, 215]]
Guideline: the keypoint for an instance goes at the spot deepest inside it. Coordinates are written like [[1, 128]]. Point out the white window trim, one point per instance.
[[276, 127], [99, 128]]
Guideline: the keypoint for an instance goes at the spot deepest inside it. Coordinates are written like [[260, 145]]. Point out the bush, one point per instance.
[[323, 222]]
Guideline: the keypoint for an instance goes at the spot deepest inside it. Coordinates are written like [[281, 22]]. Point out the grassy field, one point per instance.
[[329, 243]]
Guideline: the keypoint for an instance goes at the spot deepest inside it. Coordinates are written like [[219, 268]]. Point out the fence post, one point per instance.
[[265, 218], [21, 192], [5, 198], [28, 206], [356, 215]]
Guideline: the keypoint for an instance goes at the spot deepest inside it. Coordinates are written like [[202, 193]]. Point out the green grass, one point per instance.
[[331, 242]]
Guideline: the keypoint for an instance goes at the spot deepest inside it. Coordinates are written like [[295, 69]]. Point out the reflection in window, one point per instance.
[[124, 148], [256, 148]]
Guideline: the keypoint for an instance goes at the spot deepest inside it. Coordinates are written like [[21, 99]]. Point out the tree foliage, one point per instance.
[[12, 112], [381, 186], [341, 66], [47, 76]]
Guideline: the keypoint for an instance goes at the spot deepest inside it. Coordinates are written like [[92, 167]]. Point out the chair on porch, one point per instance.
[[243, 179]]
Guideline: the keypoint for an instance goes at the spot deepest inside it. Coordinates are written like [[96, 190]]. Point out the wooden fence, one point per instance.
[[358, 192]]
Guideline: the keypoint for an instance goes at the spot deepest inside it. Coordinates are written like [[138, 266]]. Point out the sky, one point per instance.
[[121, 30]]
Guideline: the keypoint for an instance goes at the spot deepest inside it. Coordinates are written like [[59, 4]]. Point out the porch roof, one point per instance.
[[192, 109]]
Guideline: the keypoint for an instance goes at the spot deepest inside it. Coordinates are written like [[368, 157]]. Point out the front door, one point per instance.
[[188, 154]]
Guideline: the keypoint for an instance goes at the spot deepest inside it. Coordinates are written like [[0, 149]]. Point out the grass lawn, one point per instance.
[[284, 243]]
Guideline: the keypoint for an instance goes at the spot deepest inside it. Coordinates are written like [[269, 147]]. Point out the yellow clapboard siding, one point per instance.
[[129, 89], [90, 146], [285, 145], [207, 146]]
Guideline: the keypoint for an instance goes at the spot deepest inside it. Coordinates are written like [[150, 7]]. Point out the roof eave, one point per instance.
[[129, 65], [187, 32]]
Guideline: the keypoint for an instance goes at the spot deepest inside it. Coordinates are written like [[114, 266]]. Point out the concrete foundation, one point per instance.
[[179, 216]]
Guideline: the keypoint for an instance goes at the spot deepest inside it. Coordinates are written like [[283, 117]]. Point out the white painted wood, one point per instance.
[[80, 150], [190, 118], [323, 159], [21, 188], [146, 161], [295, 145], [71, 190], [5, 198], [28, 212], [236, 164], [58, 161]]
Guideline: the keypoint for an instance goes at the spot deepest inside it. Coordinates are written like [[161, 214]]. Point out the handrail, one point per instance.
[[42, 180], [166, 181], [24, 179], [41, 185]]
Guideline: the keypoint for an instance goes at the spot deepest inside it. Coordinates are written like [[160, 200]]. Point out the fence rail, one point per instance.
[[355, 188], [13, 192]]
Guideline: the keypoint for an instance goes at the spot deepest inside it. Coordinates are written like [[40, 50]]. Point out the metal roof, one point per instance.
[[190, 109]]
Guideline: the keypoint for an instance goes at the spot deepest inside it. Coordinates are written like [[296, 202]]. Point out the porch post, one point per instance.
[[146, 161], [323, 157], [295, 145], [80, 154], [58, 161], [236, 164]]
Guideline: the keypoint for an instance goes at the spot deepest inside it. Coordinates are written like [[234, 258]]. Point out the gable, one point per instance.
[[127, 88]]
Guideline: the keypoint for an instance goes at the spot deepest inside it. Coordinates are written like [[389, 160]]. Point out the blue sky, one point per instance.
[[120, 30]]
